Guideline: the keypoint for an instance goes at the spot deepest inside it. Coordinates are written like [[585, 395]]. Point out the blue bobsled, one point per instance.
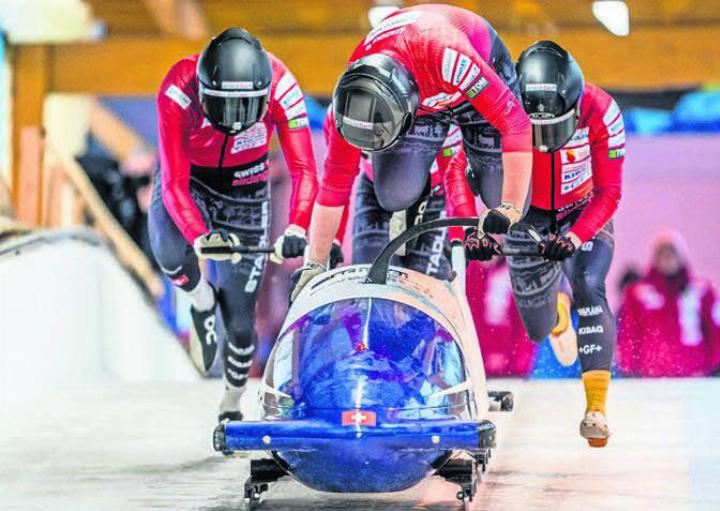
[[375, 382]]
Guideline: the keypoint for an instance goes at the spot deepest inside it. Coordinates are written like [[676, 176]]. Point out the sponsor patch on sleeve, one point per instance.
[[614, 154], [477, 88], [617, 140], [448, 64], [178, 96], [300, 122], [612, 112]]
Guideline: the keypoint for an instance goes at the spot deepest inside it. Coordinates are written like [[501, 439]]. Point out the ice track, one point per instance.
[[143, 446]]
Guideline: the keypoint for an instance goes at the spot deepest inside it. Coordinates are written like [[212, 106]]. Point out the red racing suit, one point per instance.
[[447, 51], [587, 171], [187, 139], [447, 175]]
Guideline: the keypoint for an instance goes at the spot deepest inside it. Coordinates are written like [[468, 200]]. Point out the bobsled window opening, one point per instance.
[[365, 353]]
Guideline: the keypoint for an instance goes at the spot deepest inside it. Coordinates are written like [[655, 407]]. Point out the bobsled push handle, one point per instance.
[[378, 270]]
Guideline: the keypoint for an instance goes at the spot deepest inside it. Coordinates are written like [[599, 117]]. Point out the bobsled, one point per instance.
[[375, 382]]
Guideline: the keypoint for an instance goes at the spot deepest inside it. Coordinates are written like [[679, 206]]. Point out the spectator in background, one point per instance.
[[506, 348], [670, 320]]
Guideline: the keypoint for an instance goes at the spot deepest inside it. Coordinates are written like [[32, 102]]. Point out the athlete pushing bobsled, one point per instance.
[[216, 114], [420, 70], [579, 140]]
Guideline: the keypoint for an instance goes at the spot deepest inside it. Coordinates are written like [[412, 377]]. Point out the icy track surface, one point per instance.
[[142, 446]]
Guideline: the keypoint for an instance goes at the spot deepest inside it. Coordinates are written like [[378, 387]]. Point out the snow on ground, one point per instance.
[[146, 446]]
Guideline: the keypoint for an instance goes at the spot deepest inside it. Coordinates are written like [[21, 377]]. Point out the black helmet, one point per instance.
[[235, 76], [375, 102], [551, 85]]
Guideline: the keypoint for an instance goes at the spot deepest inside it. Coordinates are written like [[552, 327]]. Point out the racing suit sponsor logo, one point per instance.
[[287, 81], [441, 100], [296, 110], [614, 154], [580, 137], [454, 137], [612, 112], [589, 349], [617, 126], [477, 88], [569, 187], [292, 97], [178, 96], [472, 74], [617, 140], [256, 271], [587, 312], [251, 175], [587, 246], [256, 136], [573, 171], [448, 64], [460, 69], [594, 329], [395, 24], [300, 122], [575, 154], [448, 152]]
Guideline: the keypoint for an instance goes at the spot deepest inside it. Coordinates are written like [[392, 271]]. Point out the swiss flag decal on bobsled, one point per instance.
[[358, 418]]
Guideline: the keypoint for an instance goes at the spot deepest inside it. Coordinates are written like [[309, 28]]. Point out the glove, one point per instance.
[[217, 239], [336, 255], [301, 276], [480, 247], [557, 248], [291, 244], [499, 220]]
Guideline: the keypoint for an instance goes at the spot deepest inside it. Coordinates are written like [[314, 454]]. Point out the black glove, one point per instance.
[[291, 244], [480, 248], [336, 255], [557, 248], [498, 220]]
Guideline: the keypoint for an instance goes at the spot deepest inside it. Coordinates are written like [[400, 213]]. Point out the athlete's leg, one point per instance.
[[401, 173], [247, 215], [371, 224], [535, 282], [178, 261], [597, 335], [427, 254]]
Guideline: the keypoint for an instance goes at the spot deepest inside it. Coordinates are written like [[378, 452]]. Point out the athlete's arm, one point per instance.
[[173, 119], [341, 168], [460, 200], [293, 128], [486, 91], [607, 149]]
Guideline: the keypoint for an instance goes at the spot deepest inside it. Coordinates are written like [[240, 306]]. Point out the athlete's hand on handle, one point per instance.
[[480, 247], [291, 244], [302, 276], [217, 239], [499, 220], [557, 248]]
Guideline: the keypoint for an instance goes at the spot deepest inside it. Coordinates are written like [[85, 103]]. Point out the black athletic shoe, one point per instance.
[[230, 416], [203, 341]]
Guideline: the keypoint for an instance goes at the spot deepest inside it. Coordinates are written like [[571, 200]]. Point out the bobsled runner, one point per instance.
[[376, 382]]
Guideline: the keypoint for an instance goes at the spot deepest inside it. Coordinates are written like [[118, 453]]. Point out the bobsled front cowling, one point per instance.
[[362, 364]]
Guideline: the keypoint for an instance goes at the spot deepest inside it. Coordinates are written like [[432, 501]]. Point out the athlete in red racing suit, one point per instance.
[[577, 174], [371, 223], [420, 70], [213, 190]]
